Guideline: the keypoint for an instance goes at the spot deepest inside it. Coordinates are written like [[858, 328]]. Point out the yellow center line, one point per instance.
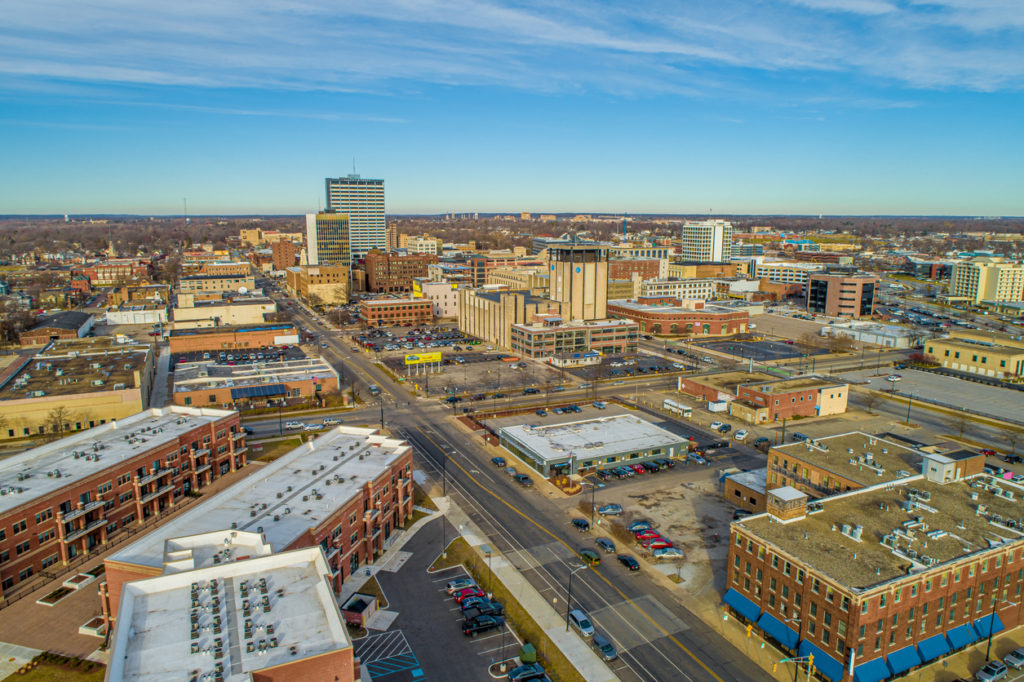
[[595, 572]]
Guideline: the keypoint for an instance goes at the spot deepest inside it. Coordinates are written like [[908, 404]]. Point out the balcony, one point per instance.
[[82, 532], [200, 469], [241, 451], [797, 478], [201, 452], [238, 434], [88, 507], [162, 490], [152, 477]]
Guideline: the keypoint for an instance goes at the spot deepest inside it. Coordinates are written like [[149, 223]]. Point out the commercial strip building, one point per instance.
[[394, 273], [987, 279], [252, 385], [991, 355], [226, 338], [74, 385], [549, 336], [758, 398], [345, 492], [707, 240], [68, 498], [672, 317], [194, 284], [137, 313], [840, 295], [227, 309], [568, 448], [875, 582], [327, 283], [264, 617], [872, 333], [381, 312], [362, 201]]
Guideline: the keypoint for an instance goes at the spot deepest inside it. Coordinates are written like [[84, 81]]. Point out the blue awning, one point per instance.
[[983, 624], [961, 636], [903, 659], [782, 633], [261, 391], [872, 671], [823, 663], [932, 648], [742, 605]]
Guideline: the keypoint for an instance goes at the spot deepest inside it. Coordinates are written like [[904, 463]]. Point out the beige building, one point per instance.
[[216, 283], [619, 289], [490, 312], [256, 236], [987, 279], [990, 355], [190, 313], [442, 295], [534, 278], [73, 385], [579, 280], [421, 244], [328, 283]]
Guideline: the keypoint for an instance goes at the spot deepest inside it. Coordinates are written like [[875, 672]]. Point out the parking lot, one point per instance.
[[618, 366], [762, 351], [240, 357]]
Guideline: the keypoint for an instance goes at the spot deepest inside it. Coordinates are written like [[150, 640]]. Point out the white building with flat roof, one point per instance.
[[569, 447]]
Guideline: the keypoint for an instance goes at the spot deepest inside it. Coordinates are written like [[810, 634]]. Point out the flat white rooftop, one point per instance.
[[285, 498], [45, 469], [263, 612], [590, 438]]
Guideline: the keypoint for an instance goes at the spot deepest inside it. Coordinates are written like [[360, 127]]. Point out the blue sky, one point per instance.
[[733, 106]]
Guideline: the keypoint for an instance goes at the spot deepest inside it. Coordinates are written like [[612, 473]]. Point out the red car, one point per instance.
[[642, 535], [639, 468], [656, 543], [988, 452], [467, 593]]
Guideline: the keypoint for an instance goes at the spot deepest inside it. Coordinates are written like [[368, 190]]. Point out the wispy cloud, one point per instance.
[[687, 47]]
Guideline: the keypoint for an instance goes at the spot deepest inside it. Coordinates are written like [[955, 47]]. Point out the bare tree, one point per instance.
[[58, 420], [961, 423], [1011, 436], [314, 301], [870, 400]]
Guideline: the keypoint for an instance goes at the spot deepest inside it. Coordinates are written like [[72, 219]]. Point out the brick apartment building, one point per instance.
[[625, 268], [673, 317], [396, 311], [345, 492], [116, 271], [849, 296], [283, 254], [393, 273], [879, 581], [68, 498], [224, 338]]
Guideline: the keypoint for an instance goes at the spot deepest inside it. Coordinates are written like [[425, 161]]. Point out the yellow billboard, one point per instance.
[[423, 358]]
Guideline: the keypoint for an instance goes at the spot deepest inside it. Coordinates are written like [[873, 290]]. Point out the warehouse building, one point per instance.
[[568, 448]]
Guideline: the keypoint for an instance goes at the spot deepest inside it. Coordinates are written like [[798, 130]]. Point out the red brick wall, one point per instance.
[[117, 574], [624, 269], [225, 340], [222, 396], [803, 402], [336, 665]]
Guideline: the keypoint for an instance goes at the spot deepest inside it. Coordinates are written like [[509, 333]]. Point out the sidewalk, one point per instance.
[[578, 653], [158, 396]]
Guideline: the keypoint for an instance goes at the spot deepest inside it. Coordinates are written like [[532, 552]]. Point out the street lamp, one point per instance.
[[568, 598], [992, 622], [799, 631], [280, 428], [910, 398], [593, 491]]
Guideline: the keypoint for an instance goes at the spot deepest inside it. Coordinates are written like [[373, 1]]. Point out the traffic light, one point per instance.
[[810, 663], [750, 629], [775, 667]]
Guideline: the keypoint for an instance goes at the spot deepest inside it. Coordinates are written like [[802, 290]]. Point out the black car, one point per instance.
[[582, 525], [523, 673], [523, 480], [606, 544], [629, 562], [481, 623], [452, 399], [725, 428], [479, 606], [498, 461], [762, 444], [531, 391]]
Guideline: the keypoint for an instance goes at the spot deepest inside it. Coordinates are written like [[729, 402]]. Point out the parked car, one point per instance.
[[459, 584], [990, 672], [642, 535], [531, 391], [740, 513], [312, 427], [466, 593], [330, 421], [476, 606], [523, 673], [988, 452], [590, 557], [523, 480], [542, 413], [740, 435], [579, 621], [716, 425], [1015, 659], [668, 553], [638, 468], [610, 510], [725, 428], [606, 544], [471, 627], [293, 425], [797, 436], [511, 471], [639, 526], [582, 525], [604, 647], [498, 461], [629, 562], [762, 444]]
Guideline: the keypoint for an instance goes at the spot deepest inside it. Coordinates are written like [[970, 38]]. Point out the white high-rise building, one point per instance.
[[707, 241], [362, 200]]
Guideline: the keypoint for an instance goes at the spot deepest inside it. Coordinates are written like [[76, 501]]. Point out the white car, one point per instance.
[[716, 425], [312, 427], [328, 421], [294, 425], [740, 435], [1015, 659]]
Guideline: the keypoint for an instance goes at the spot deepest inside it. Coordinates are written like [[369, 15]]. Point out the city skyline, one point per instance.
[[860, 107]]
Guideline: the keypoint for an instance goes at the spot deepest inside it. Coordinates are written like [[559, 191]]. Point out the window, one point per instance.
[[19, 527], [23, 547], [47, 535], [864, 607], [44, 515]]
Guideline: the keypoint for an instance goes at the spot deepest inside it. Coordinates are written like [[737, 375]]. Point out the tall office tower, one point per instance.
[[987, 279], [707, 241], [579, 280], [362, 200], [327, 239]]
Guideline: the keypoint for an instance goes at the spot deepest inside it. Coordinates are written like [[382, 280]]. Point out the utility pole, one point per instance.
[[568, 599]]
